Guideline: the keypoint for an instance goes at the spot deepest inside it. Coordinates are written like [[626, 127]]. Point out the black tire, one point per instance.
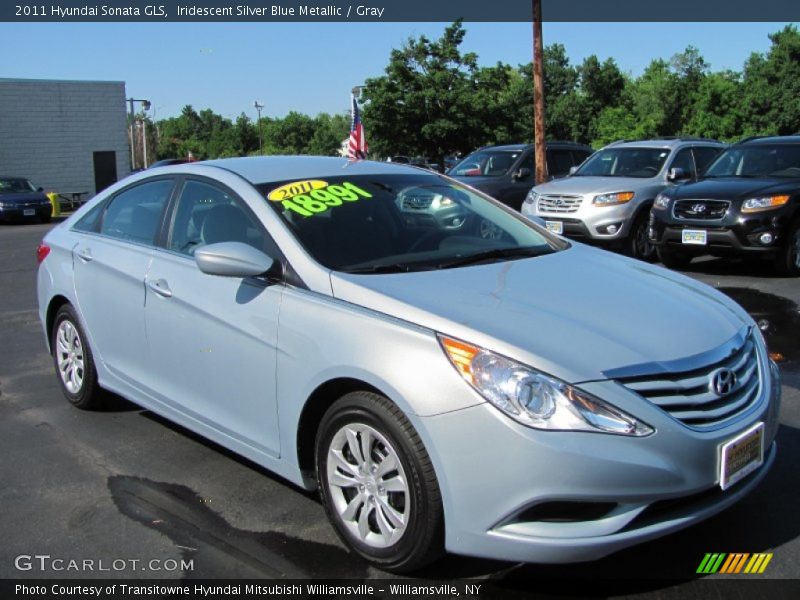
[[638, 243], [88, 395], [422, 542], [46, 218], [673, 259], [787, 261]]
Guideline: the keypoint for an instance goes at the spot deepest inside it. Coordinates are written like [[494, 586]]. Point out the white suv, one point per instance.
[[608, 198]]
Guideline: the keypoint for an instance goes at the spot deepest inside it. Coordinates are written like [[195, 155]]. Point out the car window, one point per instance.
[[683, 160], [14, 185], [135, 213], [558, 162], [390, 222], [703, 155], [486, 163], [91, 219], [206, 214], [624, 162]]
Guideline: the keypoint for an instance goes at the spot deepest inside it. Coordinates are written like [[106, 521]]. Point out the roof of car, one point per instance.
[[663, 142], [264, 169], [520, 147], [772, 139]]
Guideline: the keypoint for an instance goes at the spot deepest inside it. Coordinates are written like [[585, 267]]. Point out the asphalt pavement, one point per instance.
[[125, 484]]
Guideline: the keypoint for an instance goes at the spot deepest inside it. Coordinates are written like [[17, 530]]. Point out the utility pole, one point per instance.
[[538, 95], [258, 108], [145, 106]]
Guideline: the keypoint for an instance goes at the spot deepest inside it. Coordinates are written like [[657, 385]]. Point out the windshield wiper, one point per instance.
[[496, 253], [390, 268]]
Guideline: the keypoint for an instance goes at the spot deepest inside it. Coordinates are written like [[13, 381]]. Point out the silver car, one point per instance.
[[608, 198], [520, 398]]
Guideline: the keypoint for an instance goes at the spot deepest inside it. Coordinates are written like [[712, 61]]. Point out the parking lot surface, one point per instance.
[[125, 484]]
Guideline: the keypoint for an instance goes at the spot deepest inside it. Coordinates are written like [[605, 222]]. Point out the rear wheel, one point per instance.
[[787, 261], [73, 361], [377, 483], [673, 259], [639, 245]]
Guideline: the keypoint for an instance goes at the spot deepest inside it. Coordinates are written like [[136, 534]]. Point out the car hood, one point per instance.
[[593, 185], [576, 314], [23, 197], [733, 188]]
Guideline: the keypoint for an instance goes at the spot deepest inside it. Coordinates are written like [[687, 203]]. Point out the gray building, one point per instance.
[[65, 136]]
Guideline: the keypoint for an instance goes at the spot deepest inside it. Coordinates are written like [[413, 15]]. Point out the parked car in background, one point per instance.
[[507, 172], [746, 204], [167, 162], [608, 198], [21, 200], [519, 398]]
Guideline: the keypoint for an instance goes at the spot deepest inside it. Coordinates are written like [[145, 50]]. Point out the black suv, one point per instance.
[[506, 172], [747, 203]]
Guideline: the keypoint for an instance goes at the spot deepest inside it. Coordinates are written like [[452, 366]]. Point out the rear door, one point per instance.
[[110, 264], [212, 339]]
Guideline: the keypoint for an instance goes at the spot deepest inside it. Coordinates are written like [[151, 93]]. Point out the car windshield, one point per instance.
[[15, 185], [396, 223], [486, 163], [624, 162], [779, 160]]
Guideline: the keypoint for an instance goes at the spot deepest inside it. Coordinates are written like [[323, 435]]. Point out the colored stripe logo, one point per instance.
[[736, 562]]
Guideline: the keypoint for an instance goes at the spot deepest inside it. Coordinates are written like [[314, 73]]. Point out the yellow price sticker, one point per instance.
[[290, 190]]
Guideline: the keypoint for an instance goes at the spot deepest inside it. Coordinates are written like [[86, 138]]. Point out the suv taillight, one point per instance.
[[41, 252]]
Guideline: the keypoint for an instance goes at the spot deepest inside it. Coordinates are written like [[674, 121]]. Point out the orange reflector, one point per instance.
[[778, 200], [625, 196], [461, 355], [776, 356]]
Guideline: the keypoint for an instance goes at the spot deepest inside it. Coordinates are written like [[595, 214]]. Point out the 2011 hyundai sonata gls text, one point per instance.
[[347, 326]]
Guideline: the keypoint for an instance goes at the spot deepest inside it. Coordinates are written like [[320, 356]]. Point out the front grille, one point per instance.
[[552, 203], [417, 202], [690, 397], [701, 210]]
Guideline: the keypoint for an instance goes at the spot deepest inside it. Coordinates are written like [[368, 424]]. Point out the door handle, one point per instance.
[[85, 254], [160, 287]]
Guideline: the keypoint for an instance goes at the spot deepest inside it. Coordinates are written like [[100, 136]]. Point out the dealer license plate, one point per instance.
[[554, 226], [741, 456], [29, 212], [694, 236]]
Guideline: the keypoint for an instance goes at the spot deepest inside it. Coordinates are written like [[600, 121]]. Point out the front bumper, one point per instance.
[[735, 234], [14, 213], [495, 474], [589, 221]]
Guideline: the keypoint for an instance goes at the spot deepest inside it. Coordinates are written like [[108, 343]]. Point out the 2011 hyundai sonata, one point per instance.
[[349, 325]]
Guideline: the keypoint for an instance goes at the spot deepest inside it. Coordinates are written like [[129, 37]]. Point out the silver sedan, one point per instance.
[[348, 326]]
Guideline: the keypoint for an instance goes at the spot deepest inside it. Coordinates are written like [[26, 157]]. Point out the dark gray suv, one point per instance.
[[506, 172]]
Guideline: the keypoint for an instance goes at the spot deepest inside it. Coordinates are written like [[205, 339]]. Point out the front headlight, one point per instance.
[[610, 199], [533, 398], [752, 205], [661, 202]]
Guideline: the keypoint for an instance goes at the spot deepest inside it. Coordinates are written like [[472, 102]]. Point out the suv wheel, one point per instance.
[[73, 361], [377, 483], [639, 245], [673, 259], [787, 262]]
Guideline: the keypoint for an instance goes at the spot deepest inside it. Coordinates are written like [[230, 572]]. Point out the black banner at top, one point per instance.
[[394, 10]]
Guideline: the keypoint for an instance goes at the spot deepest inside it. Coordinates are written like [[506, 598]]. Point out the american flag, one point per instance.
[[357, 148]]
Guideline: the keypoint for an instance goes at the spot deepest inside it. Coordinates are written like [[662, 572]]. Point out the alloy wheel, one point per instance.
[[69, 353]]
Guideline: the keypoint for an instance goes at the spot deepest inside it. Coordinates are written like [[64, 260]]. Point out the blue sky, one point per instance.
[[310, 67]]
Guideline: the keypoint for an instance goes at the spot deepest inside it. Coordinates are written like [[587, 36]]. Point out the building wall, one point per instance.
[[50, 129]]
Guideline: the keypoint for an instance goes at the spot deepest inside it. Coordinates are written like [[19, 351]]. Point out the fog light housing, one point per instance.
[[766, 238]]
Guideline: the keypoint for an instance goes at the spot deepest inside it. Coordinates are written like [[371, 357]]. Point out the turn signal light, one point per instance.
[[461, 354]]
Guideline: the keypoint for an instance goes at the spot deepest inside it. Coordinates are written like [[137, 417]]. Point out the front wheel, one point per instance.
[[377, 483], [639, 245], [673, 259], [787, 262]]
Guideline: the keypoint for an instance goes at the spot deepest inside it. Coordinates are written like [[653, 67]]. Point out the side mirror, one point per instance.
[[677, 174], [232, 259], [40, 189], [521, 173], [573, 169]]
